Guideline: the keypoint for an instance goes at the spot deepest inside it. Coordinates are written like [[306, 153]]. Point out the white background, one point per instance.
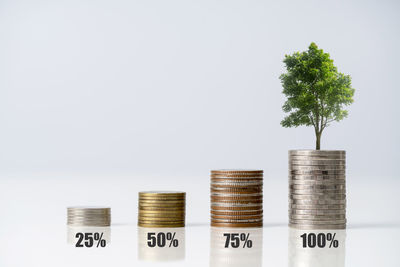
[[187, 86], [102, 99]]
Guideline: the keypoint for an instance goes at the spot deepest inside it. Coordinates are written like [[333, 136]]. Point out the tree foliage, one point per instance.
[[316, 92]]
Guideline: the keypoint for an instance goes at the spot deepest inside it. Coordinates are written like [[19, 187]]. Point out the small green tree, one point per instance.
[[316, 92]]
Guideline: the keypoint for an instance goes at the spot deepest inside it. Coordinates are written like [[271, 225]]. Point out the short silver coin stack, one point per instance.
[[89, 216]]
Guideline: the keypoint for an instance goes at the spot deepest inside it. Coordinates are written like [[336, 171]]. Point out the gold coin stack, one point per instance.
[[162, 209], [89, 216], [237, 198]]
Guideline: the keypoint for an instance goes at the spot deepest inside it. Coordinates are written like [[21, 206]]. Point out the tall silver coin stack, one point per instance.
[[237, 198], [317, 189], [89, 216]]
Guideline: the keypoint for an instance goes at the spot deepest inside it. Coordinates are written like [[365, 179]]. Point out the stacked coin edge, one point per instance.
[[89, 216], [317, 189], [162, 209], [236, 198]]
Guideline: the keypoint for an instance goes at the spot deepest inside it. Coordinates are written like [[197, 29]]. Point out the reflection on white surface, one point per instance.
[[73, 230], [166, 253], [235, 257], [316, 257]]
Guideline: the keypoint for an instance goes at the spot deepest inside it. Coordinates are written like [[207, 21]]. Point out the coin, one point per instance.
[[317, 207], [318, 172], [317, 218], [319, 202], [316, 192], [246, 198], [155, 225], [318, 227], [317, 162], [336, 221], [239, 225], [161, 209], [236, 217], [317, 152], [319, 197], [317, 189], [317, 182], [236, 198], [236, 171], [88, 216], [317, 212], [310, 187], [237, 213]]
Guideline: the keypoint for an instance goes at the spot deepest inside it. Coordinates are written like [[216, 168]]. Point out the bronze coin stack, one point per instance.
[[162, 209], [237, 198]]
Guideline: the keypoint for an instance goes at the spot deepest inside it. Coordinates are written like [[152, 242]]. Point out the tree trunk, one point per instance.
[[318, 141]]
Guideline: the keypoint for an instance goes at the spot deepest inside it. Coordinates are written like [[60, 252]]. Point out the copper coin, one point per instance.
[[258, 207], [244, 217], [233, 171], [237, 225], [233, 213], [233, 198]]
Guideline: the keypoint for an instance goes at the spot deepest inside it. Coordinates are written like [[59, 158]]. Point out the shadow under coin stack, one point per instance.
[[89, 216], [161, 209], [237, 198], [317, 185]]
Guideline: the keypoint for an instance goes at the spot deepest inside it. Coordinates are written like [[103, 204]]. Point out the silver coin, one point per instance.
[[316, 173], [88, 216], [317, 177], [317, 168], [318, 227], [310, 187], [317, 182], [311, 222], [317, 157], [317, 193], [317, 152], [318, 197], [317, 212], [318, 160], [317, 218], [318, 207], [327, 162], [317, 202]]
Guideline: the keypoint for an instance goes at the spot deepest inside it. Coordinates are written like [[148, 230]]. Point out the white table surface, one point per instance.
[[33, 229]]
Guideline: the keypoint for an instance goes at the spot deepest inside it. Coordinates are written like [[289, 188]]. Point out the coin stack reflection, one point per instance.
[[317, 188], [236, 198], [299, 256], [89, 216], [228, 256], [161, 209]]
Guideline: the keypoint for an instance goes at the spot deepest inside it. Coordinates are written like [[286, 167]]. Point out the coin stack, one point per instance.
[[89, 216], [317, 186], [161, 209], [237, 198]]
